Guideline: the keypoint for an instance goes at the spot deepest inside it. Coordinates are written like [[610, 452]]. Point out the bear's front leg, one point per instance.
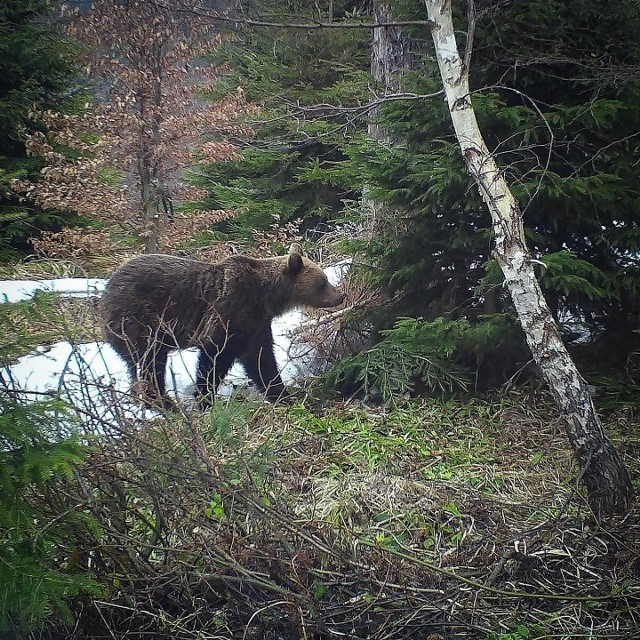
[[260, 365]]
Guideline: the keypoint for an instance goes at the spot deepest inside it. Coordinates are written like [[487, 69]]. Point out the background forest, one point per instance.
[[422, 486]]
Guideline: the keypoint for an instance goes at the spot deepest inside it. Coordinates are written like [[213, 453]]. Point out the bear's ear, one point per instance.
[[295, 264], [296, 248]]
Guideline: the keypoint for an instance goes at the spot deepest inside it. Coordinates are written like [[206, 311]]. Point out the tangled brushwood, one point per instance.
[[425, 521]]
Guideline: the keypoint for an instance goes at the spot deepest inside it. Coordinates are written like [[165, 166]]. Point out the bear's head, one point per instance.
[[311, 285]]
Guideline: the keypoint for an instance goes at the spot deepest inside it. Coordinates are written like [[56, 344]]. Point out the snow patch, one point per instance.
[[19, 290]]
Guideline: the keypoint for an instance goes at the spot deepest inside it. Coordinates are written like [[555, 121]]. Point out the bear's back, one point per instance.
[[191, 298]]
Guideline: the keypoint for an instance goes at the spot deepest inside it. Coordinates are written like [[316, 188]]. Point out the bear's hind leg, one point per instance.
[[152, 373], [130, 358], [213, 365], [126, 349]]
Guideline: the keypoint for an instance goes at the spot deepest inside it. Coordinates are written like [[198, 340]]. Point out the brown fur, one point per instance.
[[156, 303]]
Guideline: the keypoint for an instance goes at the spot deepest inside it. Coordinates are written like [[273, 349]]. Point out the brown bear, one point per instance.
[[156, 303]]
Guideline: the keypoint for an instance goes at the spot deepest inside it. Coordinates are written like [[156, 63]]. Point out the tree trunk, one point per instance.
[[151, 180], [150, 212], [602, 470], [148, 195], [390, 58]]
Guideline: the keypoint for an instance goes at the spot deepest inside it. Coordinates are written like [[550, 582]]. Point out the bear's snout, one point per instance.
[[336, 299]]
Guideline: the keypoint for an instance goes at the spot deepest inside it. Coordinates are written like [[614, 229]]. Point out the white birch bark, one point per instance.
[[602, 470]]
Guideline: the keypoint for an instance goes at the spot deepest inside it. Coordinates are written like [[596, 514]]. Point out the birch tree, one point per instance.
[[601, 468]]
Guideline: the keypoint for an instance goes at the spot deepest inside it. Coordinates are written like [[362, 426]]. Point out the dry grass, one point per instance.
[[45, 320], [434, 520], [38, 268]]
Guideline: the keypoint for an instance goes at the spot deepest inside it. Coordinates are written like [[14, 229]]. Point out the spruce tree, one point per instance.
[[562, 117], [35, 73], [40, 448], [281, 176]]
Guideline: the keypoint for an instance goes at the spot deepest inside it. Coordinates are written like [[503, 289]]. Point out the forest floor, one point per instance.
[[432, 519]]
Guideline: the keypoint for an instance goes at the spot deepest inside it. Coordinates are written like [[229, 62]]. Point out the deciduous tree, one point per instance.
[[132, 146]]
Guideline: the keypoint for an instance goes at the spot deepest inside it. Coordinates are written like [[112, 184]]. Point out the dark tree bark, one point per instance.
[[390, 58]]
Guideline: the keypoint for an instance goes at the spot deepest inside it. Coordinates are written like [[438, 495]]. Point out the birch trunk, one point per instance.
[[602, 469]]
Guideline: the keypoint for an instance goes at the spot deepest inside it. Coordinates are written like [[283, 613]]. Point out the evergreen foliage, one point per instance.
[[39, 449], [556, 92], [35, 73], [281, 174], [37, 572], [438, 357]]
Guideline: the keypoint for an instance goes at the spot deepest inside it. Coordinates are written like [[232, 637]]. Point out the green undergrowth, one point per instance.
[[483, 490], [360, 519], [40, 450], [457, 452], [322, 519], [428, 440]]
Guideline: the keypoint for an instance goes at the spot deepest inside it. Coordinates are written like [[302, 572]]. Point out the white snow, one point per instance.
[[18, 290]]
